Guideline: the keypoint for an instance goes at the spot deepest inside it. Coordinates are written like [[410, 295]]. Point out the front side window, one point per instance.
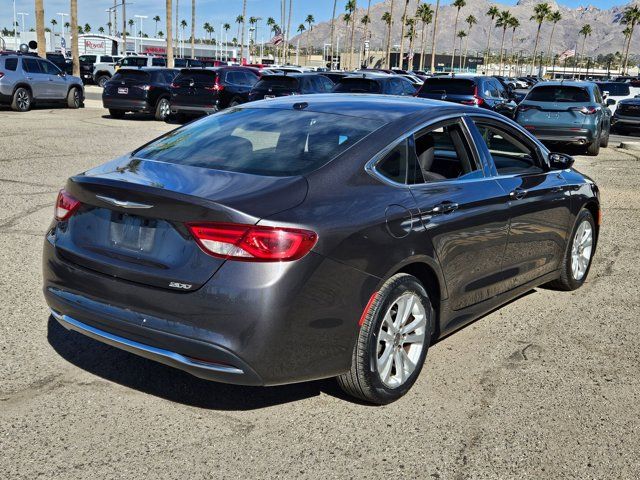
[[48, 68], [261, 141], [511, 154], [444, 154]]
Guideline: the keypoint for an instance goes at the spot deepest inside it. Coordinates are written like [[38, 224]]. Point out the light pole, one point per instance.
[[23, 15], [62, 15], [15, 20], [139, 42]]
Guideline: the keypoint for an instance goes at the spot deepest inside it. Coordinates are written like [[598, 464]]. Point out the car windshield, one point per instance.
[[559, 94], [357, 85], [261, 141], [451, 86]]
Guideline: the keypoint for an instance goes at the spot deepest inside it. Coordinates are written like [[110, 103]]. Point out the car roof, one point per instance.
[[565, 83], [386, 108], [146, 69]]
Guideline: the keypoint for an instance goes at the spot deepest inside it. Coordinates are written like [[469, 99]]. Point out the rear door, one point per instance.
[[538, 199], [194, 88], [464, 211], [38, 80]]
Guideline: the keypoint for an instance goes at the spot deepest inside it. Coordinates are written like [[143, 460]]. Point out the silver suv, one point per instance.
[[26, 79]]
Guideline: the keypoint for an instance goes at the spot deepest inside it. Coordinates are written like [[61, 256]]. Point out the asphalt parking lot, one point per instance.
[[546, 387]]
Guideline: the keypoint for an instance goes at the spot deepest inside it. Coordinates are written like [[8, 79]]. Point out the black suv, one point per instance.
[[271, 86], [145, 90], [482, 92], [63, 63], [384, 84], [208, 90]]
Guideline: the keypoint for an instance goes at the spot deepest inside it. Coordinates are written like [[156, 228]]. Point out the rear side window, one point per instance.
[[450, 86], [357, 85], [134, 62], [559, 93], [106, 59], [31, 65], [11, 64], [277, 83], [258, 141], [615, 88], [202, 77]]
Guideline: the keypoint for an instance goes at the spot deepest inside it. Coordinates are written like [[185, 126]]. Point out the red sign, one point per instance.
[[91, 45], [160, 50]]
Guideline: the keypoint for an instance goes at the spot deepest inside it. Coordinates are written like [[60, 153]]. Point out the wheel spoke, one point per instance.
[[397, 358], [415, 338], [407, 362], [389, 321], [385, 336], [418, 322], [385, 362]]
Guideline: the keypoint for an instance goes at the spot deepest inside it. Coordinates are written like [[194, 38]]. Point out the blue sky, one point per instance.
[[212, 11]]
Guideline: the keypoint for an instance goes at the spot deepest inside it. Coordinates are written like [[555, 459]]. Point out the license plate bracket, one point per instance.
[[123, 90], [132, 232]]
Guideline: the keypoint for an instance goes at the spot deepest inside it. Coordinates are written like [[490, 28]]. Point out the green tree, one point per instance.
[[386, 18], [461, 35], [504, 22], [350, 8], [540, 13], [630, 17], [403, 22], [458, 4], [425, 15], [492, 13], [585, 31], [309, 21], [471, 21], [156, 19], [554, 18]]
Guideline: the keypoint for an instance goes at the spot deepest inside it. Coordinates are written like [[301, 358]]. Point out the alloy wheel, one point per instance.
[[581, 250], [164, 108], [23, 100], [401, 340]]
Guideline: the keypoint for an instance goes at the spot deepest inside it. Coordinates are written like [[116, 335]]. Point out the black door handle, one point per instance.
[[518, 193], [444, 207]]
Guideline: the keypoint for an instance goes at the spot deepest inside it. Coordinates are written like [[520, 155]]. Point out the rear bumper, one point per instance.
[[193, 109], [579, 136], [625, 121], [293, 322], [126, 104]]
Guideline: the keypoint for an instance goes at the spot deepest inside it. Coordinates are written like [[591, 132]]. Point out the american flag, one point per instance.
[[277, 40], [567, 54]]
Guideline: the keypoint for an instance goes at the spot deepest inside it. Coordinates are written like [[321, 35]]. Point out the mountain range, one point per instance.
[[606, 38]]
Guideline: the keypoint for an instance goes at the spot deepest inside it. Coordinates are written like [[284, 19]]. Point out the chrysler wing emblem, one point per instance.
[[123, 203]]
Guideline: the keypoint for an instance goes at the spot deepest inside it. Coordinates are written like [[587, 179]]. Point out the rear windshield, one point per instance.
[[615, 88], [277, 83], [450, 86], [357, 85], [261, 141], [131, 75], [559, 93]]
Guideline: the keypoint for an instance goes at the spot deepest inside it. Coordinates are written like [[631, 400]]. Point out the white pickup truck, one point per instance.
[[97, 68]]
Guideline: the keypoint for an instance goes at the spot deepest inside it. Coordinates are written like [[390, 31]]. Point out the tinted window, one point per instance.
[[31, 65], [238, 77], [130, 75], [90, 59], [357, 85], [395, 165], [409, 89], [134, 62], [158, 62], [443, 153], [261, 141], [324, 84], [307, 85], [204, 76], [615, 88], [11, 64], [48, 67], [277, 83], [451, 86], [511, 154], [106, 59], [558, 93], [395, 87]]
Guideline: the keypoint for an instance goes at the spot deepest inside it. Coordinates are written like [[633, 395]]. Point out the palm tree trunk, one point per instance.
[[466, 47], [486, 51], [288, 29], [513, 37], [366, 31], [535, 49], [504, 31], [75, 53], [455, 32], [308, 39], [390, 26], [353, 31], [626, 57], [333, 21], [553, 29], [581, 54], [421, 65], [42, 43], [433, 37], [244, 21], [193, 28], [169, 9], [403, 20]]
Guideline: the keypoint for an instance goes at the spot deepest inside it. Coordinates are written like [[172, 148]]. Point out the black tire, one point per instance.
[[566, 281], [74, 98], [102, 80], [604, 140], [234, 103], [162, 109], [116, 113], [21, 100], [363, 381], [593, 148]]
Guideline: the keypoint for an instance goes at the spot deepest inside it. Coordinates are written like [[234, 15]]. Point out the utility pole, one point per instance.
[[124, 28]]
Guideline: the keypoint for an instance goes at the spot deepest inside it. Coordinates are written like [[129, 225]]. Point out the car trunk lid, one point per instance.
[[132, 84]]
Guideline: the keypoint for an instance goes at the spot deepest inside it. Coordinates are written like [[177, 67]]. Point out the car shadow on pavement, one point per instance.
[[172, 384]]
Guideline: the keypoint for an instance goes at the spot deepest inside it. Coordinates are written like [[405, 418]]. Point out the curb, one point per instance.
[[630, 146]]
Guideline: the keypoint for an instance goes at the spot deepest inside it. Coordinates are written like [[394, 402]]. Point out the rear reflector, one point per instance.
[[252, 243], [66, 206], [363, 318]]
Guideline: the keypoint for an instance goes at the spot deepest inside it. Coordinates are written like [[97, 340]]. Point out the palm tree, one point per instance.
[[67, 25], [244, 16], [193, 28], [386, 18], [627, 33], [504, 18], [42, 44], [109, 25], [169, 20], [492, 13], [366, 20], [333, 21], [540, 13], [585, 31], [458, 4], [75, 53], [252, 21], [226, 27], [471, 21], [309, 21], [160, 34], [630, 17], [514, 23], [53, 24], [403, 22], [554, 18], [101, 29], [433, 37], [87, 27], [183, 25], [461, 35], [239, 21], [131, 23], [350, 7], [206, 27], [425, 15], [411, 35]]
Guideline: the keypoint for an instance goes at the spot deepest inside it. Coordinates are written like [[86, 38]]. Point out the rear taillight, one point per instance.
[[66, 206], [477, 100], [252, 243], [175, 85], [146, 88], [584, 110], [216, 87]]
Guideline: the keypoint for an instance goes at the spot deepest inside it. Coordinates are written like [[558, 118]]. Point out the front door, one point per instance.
[[56, 83], [539, 201]]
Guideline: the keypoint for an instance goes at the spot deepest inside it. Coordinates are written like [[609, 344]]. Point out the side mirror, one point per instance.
[[62, 74], [560, 161], [610, 101]]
